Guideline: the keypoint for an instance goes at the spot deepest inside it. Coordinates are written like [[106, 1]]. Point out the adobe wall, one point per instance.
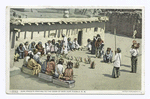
[[124, 25]]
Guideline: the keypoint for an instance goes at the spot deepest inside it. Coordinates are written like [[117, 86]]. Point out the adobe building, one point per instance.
[[44, 29]]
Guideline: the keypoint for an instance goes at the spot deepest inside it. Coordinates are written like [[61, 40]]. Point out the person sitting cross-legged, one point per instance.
[[59, 68], [33, 65], [68, 74], [50, 69], [108, 56]]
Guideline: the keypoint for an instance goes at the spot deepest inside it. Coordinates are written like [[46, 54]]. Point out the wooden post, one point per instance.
[[115, 38]]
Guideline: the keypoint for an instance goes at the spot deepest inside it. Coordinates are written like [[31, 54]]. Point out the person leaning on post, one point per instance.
[[117, 63]]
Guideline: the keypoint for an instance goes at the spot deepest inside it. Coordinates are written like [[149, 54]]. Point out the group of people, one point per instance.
[[49, 66], [117, 62], [59, 47], [31, 54], [96, 46]]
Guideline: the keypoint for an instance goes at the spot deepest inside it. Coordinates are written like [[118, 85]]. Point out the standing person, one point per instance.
[[59, 68], [64, 47], [20, 50], [117, 63], [93, 43], [99, 44], [48, 46], [134, 53], [40, 48]]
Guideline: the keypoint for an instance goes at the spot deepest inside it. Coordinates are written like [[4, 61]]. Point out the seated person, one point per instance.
[[48, 46], [32, 46], [53, 48], [108, 56], [59, 46], [75, 44], [36, 57], [16, 57], [68, 74], [20, 50], [59, 68], [40, 48], [69, 45], [89, 45], [26, 47], [44, 65], [25, 62], [33, 65], [50, 69]]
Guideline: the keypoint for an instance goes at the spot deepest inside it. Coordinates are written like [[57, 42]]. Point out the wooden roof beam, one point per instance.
[[17, 30], [53, 23], [36, 23], [29, 23], [70, 22], [49, 23], [65, 22], [22, 23], [85, 21], [60, 22]]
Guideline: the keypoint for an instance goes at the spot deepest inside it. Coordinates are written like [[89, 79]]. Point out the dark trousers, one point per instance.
[[133, 64], [116, 72]]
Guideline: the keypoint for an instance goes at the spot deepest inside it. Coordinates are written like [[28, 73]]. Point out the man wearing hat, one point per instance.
[[134, 53]]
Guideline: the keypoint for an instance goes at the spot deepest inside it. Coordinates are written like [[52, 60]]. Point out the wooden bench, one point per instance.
[[64, 83], [45, 77]]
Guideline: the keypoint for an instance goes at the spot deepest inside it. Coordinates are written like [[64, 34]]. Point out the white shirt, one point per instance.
[[117, 60], [65, 45], [58, 69], [25, 62], [134, 52]]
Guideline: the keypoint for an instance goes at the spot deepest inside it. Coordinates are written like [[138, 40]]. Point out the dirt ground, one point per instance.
[[90, 79]]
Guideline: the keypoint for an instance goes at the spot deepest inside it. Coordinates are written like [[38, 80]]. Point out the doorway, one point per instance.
[[80, 38]]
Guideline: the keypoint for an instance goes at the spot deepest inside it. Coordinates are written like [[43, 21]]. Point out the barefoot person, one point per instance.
[[117, 62]]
